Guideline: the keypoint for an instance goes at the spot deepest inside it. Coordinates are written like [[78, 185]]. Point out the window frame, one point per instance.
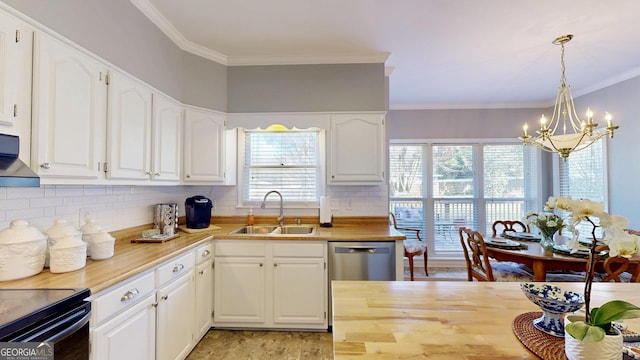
[[274, 201], [428, 201]]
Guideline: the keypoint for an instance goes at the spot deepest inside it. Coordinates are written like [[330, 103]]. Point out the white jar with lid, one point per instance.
[[89, 230], [102, 245], [67, 254], [61, 228], [22, 251]]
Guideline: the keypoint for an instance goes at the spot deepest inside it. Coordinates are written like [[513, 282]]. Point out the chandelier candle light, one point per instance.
[[573, 134]]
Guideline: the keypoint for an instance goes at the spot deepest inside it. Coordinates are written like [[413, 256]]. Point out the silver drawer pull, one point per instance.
[[45, 166], [201, 272], [129, 295], [206, 253], [178, 268], [165, 297]]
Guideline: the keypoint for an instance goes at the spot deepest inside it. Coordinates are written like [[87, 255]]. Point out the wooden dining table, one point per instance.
[[542, 260], [442, 319]]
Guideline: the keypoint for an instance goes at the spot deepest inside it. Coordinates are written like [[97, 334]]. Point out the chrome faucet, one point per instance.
[[281, 216]]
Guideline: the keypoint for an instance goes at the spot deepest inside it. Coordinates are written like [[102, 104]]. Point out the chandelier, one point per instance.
[[565, 132]]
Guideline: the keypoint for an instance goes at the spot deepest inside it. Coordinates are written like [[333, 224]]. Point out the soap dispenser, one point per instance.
[[250, 218]]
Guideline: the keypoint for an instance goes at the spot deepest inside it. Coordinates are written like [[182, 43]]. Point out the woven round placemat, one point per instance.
[[545, 346]]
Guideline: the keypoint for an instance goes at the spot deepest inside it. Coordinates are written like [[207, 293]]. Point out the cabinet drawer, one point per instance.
[[112, 301], [174, 268], [244, 249], [290, 249], [204, 253]]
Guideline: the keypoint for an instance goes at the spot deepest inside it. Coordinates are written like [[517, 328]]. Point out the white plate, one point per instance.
[[524, 235], [504, 242]]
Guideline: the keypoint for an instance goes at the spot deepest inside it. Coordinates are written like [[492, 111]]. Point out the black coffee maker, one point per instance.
[[198, 212]]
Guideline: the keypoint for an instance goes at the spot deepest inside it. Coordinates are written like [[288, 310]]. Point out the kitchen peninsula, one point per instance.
[[443, 320]]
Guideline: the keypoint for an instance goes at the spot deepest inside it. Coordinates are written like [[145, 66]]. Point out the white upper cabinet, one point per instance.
[[356, 150], [204, 146], [15, 72], [167, 139], [69, 111], [128, 129]]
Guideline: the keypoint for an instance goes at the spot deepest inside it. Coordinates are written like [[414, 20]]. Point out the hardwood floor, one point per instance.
[[254, 345]]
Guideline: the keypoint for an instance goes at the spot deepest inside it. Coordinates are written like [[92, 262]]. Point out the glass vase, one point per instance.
[[547, 241]]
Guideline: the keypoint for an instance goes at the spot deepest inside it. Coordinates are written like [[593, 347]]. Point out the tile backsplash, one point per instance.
[[118, 207]]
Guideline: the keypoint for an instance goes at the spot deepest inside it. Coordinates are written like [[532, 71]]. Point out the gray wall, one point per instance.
[[328, 87], [118, 32], [460, 123]]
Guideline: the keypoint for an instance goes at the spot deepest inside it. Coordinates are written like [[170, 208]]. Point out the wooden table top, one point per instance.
[[131, 259], [441, 320]]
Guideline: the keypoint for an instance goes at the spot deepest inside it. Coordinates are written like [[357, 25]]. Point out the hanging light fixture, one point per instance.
[[565, 132]]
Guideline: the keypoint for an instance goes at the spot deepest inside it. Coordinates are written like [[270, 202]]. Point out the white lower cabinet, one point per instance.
[[175, 312], [158, 315], [270, 284], [204, 290], [123, 321]]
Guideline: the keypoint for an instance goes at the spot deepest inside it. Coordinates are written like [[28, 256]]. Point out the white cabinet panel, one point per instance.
[[239, 291], [15, 74], [299, 291], [357, 149], [167, 138], [175, 319], [204, 146], [128, 129], [130, 335], [69, 117]]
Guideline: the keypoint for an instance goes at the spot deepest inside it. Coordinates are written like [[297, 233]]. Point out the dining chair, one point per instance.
[[480, 267], [412, 247], [615, 266], [508, 225]]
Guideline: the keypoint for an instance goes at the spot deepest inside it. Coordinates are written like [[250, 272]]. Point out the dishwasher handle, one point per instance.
[[361, 249]]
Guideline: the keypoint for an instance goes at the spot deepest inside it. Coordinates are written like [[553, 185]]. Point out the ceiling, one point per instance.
[[437, 53]]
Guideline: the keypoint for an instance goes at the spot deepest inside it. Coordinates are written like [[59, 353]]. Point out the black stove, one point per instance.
[[60, 316]]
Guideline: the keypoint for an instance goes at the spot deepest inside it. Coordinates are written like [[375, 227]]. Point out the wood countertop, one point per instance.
[[131, 259], [441, 320]]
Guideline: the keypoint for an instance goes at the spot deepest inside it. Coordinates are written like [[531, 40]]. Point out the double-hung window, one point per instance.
[[440, 187], [286, 161], [583, 176]]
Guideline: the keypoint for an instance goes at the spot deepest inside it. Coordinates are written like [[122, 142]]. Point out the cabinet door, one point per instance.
[[357, 149], [299, 292], [175, 318], [167, 138], [69, 116], [130, 335], [204, 298], [204, 146], [15, 73], [128, 129], [239, 286]]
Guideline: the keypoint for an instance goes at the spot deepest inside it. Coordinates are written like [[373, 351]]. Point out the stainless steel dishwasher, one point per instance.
[[362, 260]]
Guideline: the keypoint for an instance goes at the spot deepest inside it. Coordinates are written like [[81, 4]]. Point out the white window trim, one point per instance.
[[273, 199]]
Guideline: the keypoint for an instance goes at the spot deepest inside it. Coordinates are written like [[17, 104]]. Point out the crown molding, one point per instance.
[[172, 33], [168, 29]]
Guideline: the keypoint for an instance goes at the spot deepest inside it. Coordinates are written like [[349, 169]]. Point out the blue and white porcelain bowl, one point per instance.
[[554, 302]]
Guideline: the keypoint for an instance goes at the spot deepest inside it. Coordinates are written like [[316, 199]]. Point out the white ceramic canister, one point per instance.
[[61, 228], [102, 246], [68, 254], [22, 251], [89, 230]]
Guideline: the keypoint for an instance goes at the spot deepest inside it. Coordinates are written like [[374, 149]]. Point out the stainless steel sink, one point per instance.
[[274, 230]]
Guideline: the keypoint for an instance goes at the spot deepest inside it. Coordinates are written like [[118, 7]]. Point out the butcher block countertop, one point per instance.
[[442, 320], [131, 259]]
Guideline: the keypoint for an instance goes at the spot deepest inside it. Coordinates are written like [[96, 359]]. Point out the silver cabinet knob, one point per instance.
[[157, 174], [129, 295], [206, 253], [188, 176], [178, 268], [45, 166]]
